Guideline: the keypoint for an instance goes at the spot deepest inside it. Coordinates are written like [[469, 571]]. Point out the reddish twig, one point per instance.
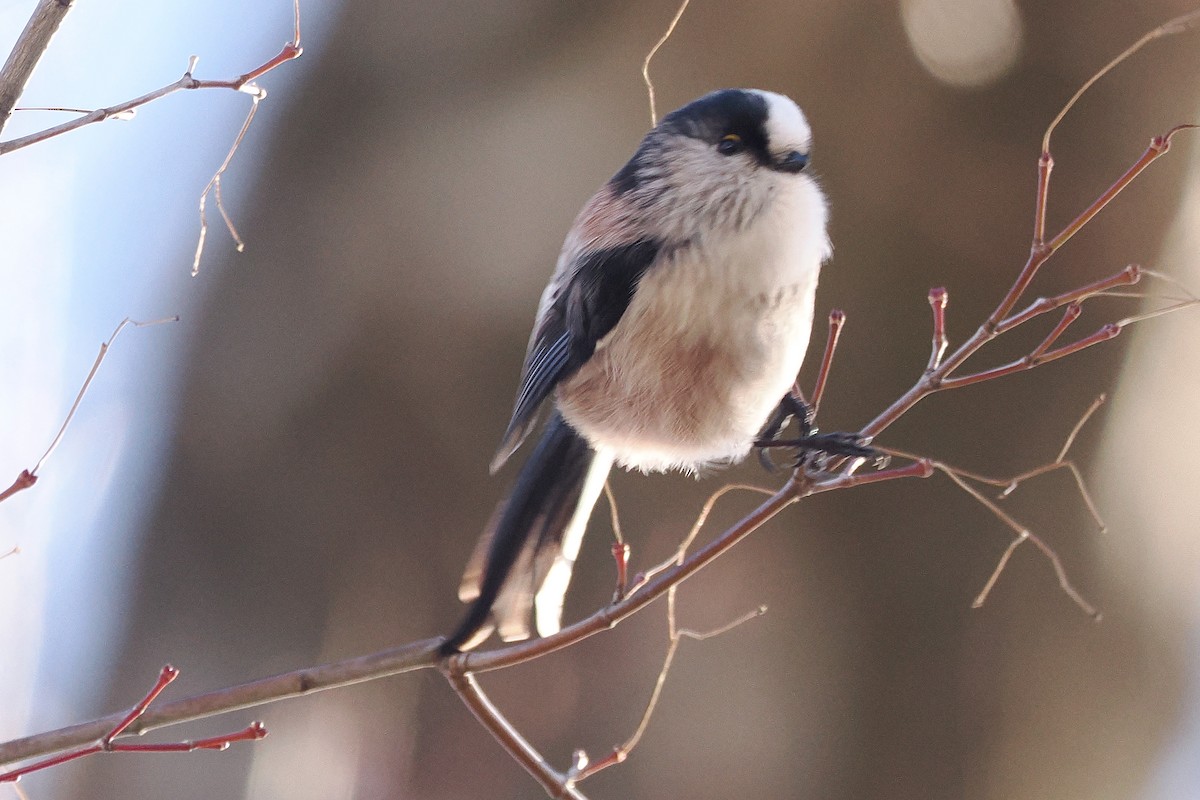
[[24, 480], [1040, 250], [938, 298], [105, 744], [837, 320], [1126, 277], [938, 379]]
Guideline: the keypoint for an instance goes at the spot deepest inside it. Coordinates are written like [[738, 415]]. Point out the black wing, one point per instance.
[[591, 303]]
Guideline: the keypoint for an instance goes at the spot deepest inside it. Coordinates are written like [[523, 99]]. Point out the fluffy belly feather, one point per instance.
[[687, 379]]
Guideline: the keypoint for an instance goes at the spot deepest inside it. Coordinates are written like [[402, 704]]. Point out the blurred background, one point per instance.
[[297, 471]]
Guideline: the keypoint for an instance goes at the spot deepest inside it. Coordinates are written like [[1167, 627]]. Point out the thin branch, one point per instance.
[[415, 655], [837, 320], [28, 477], [1179, 24], [622, 751], [242, 83], [1023, 535], [87, 382], [105, 744], [701, 519], [960, 477], [700, 636], [1126, 277], [128, 115], [28, 51], [214, 186], [938, 298], [556, 784], [649, 56], [1035, 359]]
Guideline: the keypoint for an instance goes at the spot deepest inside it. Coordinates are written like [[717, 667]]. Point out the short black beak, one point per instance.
[[793, 162]]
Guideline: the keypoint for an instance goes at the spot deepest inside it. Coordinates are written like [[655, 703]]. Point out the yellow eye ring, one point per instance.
[[730, 143]]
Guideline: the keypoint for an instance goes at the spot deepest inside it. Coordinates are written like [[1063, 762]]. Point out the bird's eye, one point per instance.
[[730, 143]]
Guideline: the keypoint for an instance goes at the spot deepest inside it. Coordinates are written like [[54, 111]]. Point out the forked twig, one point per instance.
[[960, 477], [106, 743], [1023, 535], [126, 110], [584, 768], [214, 186]]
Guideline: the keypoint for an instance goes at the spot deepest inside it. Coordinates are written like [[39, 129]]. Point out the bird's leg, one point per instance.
[[810, 442], [790, 406]]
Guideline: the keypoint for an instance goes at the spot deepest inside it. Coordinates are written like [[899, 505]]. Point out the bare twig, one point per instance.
[[127, 115], [837, 320], [28, 51], [653, 50], [105, 744], [1023, 535], [29, 477], [87, 382], [415, 655], [556, 784], [961, 477], [938, 298], [242, 83], [1179, 24], [214, 186]]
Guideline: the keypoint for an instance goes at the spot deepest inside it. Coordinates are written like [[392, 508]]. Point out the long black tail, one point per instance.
[[528, 549]]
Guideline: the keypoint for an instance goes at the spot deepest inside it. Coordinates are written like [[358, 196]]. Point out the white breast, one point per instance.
[[710, 343]]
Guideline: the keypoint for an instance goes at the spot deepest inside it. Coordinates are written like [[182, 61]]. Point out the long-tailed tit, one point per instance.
[[674, 325]]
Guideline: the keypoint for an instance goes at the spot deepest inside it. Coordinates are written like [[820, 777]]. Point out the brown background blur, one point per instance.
[[354, 369]]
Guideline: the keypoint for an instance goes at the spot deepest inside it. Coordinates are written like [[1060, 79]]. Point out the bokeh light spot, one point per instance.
[[964, 42]]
